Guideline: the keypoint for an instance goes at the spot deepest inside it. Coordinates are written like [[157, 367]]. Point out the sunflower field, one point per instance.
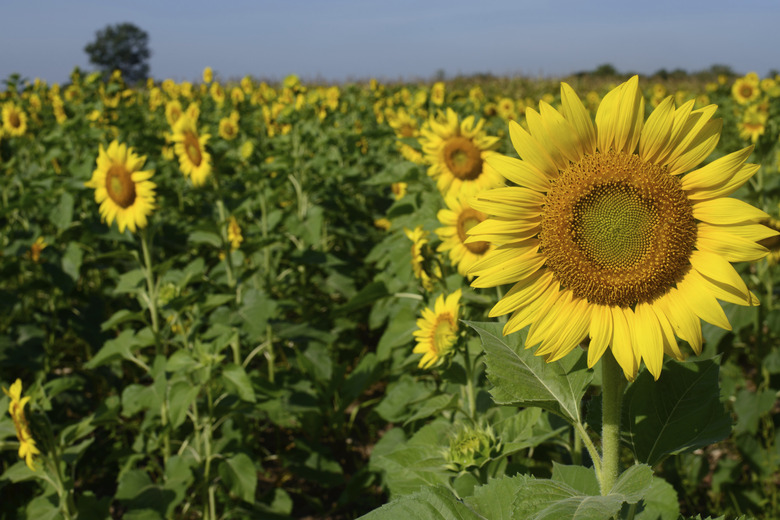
[[485, 298]]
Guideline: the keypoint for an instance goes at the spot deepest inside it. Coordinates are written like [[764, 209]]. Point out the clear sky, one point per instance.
[[402, 39]]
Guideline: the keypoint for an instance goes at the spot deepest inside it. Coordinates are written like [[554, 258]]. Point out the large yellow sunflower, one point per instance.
[[457, 219], [457, 153], [437, 330], [194, 160], [604, 237], [123, 191], [14, 120]]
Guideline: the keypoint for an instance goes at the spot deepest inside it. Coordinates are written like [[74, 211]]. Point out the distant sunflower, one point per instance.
[[194, 160], [122, 189], [437, 330], [457, 220], [457, 153], [623, 248], [173, 111], [228, 128], [421, 257], [27, 448], [14, 120], [746, 89]]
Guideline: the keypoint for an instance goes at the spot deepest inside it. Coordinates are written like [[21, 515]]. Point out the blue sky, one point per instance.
[[404, 39]]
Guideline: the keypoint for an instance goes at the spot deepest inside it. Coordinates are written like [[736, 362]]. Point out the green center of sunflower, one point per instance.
[[463, 158], [617, 230], [467, 219], [120, 186], [192, 147]]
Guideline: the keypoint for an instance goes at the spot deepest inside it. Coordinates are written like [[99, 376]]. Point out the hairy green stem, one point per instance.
[[612, 384]]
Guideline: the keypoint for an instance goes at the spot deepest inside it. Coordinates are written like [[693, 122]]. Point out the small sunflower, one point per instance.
[[208, 75], [173, 111], [234, 234], [457, 220], [421, 257], [122, 189], [437, 93], [457, 152], [437, 330], [604, 237], [27, 448], [14, 120], [228, 128], [746, 89], [753, 124], [194, 160]]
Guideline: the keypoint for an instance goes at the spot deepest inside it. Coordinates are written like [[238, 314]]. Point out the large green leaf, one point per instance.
[[539, 499], [429, 503], [493, 500], [239, 474], [680, 411], [521, 378]]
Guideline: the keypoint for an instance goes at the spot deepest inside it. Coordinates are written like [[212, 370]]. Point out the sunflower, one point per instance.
[[27, 448], [437, 330], [746, 89], [208, 75], [605, 238], [457, 220], [753, 124], [421, 257], [123, 191], [234, 234], [14, 120], [194, 160], [437, 93], [173, 111], [228, 128], [457, 153]]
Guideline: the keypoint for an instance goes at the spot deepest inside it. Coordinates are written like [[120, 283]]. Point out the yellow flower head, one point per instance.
[[421, 257], [173, 111], [14, 120], [208, 75], [35, 250], [190, 147], [753, 124], [122, 189], [612, 232], [457, 152], [437, 330], [27, 448], [437, 93], [234, 234], [247, 149], [228, 128], [746, 89]]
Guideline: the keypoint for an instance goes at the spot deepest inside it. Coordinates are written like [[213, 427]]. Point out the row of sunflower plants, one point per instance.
[[232, 300]]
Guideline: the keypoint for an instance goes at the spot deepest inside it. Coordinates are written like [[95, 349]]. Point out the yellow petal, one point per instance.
[[562, 134], [530, 150], [717, 172], [600, 333], [524, 291], [657, 130], [718, 240], [511, 272], [576, 114], [648, 339], [720, 270], [542, 136], [699, 149], [701, 301], [534, 311], [726, 188], [727, 211], [685, 322], [520, 172], [622, 341]]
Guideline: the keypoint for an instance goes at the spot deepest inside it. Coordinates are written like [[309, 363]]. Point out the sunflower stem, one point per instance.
[[470, 395], [225, 242], [151, 287], [612, 384]]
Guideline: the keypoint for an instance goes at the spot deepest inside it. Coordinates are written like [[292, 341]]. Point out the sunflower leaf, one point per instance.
[[523, 379], [681, 411], [436, 503]]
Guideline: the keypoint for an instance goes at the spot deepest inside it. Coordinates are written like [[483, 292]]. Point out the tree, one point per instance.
[[122, 46]]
